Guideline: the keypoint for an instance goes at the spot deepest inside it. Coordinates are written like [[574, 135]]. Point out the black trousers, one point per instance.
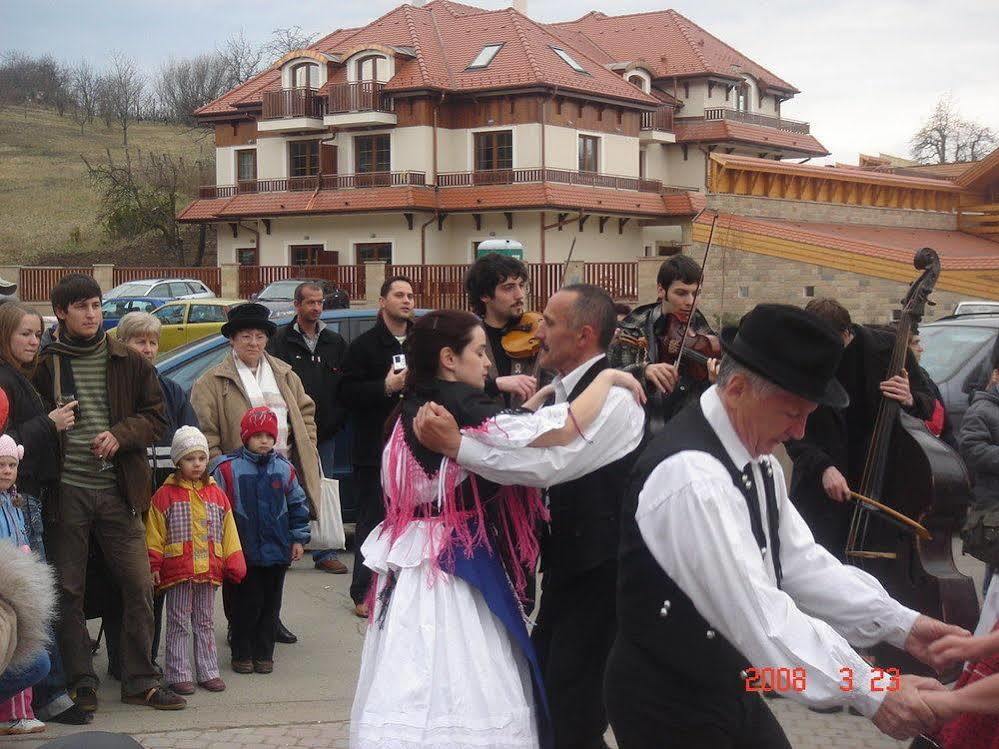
[[370, 512], [650, 711], [253, 611], [574, 632]]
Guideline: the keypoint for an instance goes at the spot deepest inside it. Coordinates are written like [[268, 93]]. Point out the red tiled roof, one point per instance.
[[957, 250], [692, 131], [848, 173], [673, 45], [539, 195]]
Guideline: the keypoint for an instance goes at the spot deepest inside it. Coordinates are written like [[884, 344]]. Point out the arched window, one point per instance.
[[742, 97], [371, 68], [637, 80], [305, 75]]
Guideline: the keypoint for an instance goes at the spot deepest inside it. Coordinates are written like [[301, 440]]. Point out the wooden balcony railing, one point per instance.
[[564, 176], [659, 119], [293, 102], [315, 182], [752, 118], [365, 96]]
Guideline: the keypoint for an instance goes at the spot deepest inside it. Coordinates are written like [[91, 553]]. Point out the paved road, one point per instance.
[[306, 701]]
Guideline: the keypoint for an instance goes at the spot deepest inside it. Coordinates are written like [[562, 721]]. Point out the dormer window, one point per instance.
[[371, 68], [568, 60], [484, 57], [742, 97], [305, 75]]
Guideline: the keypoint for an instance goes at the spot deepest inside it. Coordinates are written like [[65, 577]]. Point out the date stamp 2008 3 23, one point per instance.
[[796, 680]]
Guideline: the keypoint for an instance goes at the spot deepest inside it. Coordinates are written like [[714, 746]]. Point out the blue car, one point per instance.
[[115, 309], [187, 363]]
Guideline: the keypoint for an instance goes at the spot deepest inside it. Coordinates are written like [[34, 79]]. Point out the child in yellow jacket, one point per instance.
[[193, 545]]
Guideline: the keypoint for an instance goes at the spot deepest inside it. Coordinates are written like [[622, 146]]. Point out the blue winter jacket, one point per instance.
[[268, 503]]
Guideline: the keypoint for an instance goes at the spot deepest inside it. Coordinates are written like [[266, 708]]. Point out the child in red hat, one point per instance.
[[272, 517]]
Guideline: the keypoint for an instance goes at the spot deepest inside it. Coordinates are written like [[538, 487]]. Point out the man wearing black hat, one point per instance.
[[721, 586]]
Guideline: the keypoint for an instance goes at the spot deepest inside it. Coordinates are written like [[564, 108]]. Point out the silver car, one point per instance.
[[163, 288]]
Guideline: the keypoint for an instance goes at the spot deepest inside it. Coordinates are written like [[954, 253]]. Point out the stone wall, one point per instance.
[[736, 281], [829, 213]]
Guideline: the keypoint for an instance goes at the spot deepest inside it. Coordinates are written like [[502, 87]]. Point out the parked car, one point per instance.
[[115, 309], [162, 288], [186, 364], [279, 296], [957, 352], [976, 307], [187, 320]]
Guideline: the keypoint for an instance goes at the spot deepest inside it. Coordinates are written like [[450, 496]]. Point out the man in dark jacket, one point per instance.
[[315, 353], [104, 488], [374, 374], [979, 441], [829, 460]]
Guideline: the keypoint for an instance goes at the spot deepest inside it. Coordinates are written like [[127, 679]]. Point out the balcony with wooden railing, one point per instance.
[[315, 182], [293, 102], [563, 176], [658, 119], [364, 96], [753, 118]]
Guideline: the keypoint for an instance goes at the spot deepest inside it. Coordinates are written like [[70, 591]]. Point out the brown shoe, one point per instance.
[[361, 610], [213, 685], [242, 667], [183, 687], [157, 698], [333, 566], [263, 667], [86, 699]]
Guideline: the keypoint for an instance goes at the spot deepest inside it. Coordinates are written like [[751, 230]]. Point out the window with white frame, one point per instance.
[[484, 57]]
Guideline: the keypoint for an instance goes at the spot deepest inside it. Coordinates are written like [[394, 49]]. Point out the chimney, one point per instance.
[[520, 6]]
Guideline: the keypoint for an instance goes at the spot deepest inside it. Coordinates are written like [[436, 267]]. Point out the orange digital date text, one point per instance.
[[796, 680]]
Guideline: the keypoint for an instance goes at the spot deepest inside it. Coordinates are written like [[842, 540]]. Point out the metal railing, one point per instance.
[[364, 96], [293, 102], [752, 118]]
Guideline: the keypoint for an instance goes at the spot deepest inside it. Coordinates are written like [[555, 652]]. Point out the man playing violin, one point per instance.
[[497, 287], [829, 459], [648, 342]]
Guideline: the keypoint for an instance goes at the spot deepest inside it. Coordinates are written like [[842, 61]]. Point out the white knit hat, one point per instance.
[[187, 440], [10, 449]]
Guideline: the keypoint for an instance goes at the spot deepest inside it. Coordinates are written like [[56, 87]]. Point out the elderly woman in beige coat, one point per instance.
[[251, 377]]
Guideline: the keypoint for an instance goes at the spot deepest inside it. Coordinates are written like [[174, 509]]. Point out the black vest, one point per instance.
[[679, 647], [586, 512]]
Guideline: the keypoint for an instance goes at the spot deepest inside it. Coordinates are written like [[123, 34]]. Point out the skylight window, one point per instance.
[[567, 59], [484, 57]]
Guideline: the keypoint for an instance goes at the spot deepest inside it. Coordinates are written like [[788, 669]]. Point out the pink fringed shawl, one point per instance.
[[514, 515]]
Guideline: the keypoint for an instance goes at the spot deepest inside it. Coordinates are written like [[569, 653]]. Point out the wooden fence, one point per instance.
[[620, 280], [253, 278], [35, 284], [210, 277]]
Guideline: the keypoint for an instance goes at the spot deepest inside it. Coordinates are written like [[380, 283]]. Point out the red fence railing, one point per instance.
[[253, 278], [620, 280], [210, 277], [35, 284]]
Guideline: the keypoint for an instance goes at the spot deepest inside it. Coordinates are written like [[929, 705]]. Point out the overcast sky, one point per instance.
[[869, 70]]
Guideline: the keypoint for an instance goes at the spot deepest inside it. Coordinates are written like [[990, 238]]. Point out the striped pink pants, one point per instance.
[[17, 707], [190, 605]]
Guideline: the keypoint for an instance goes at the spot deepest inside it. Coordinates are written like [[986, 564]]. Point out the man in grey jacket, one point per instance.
[[979, 441]]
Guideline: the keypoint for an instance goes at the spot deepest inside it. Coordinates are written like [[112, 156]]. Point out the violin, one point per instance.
[[690, 347], [521, 340]]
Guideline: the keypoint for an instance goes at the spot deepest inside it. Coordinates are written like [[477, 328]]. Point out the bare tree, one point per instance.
[[124, 91], [102, 101], [287, 40], [83, 83], [185, 85], [946, 136], [241, 58]]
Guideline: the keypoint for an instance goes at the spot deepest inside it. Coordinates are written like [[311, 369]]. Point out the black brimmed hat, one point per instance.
[[250, 316], [791, 348]]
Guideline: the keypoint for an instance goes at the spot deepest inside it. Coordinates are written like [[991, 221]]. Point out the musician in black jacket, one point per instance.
[[371, 387], [829, 459]]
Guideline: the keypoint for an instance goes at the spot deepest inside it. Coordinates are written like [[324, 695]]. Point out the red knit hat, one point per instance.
[[256, 420]]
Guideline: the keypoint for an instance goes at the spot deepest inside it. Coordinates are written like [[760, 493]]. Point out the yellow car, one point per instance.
[[186, 320]]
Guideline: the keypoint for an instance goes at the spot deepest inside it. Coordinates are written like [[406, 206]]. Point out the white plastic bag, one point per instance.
[[327, 532]]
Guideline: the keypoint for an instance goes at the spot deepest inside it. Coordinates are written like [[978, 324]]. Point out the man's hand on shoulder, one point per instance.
[[437, 430]]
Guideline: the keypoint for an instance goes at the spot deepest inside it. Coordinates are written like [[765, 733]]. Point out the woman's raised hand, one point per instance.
[[64, 417]]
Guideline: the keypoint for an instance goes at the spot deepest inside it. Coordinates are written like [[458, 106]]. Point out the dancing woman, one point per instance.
[[447, 660]]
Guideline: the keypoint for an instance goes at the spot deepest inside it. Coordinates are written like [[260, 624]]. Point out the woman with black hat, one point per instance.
[[251, 377], [722, 591]]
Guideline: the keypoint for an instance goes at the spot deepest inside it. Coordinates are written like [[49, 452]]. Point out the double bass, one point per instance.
[[919, 476]]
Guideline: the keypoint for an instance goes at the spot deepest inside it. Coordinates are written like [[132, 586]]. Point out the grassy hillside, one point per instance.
[[46, 199]]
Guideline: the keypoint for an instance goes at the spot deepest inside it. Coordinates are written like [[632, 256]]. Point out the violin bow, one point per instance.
[[697, 289]]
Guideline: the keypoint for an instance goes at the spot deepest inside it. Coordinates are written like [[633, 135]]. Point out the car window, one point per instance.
[[178, 289], [160, 291], [206, 313], [359, 325], [188, 373], [171, 314], [143, 305], [128, 289], [112, 308], [947, 348]]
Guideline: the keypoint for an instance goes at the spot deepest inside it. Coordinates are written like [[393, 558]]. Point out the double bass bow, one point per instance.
[[924, 482]]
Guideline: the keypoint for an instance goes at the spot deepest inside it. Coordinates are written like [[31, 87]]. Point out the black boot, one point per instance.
[[284, 635]]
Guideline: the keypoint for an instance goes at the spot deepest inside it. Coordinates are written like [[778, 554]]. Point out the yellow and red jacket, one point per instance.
[[191, 534]]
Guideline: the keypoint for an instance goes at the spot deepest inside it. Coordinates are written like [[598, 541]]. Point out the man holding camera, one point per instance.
[[374, 372]]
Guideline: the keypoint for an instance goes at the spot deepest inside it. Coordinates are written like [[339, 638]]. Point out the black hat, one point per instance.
[[792, 348], [249, 316]]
